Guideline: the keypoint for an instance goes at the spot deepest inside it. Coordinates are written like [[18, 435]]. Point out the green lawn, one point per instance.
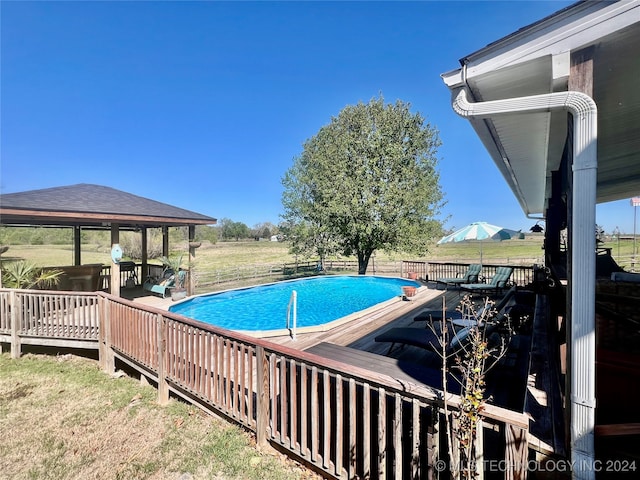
[[63, 418]]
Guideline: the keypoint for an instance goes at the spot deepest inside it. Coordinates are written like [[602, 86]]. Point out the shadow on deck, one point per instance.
[[524, 380]]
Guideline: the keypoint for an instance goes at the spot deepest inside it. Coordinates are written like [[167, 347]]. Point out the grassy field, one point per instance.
[[63, 418], [229, 254], [224, 255]]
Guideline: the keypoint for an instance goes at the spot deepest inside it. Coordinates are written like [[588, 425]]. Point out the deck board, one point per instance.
[[400, 370]]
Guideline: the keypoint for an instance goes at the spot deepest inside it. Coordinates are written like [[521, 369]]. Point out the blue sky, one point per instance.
[[204, 105]]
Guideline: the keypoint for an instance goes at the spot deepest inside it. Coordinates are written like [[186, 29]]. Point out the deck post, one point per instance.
[[16, 315], [107, 358], [516, 451], [433, 441], [163, 386], [262, 410], [102, 353]]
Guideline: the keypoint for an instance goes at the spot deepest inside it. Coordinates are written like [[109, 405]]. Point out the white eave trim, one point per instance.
[[576, 27]]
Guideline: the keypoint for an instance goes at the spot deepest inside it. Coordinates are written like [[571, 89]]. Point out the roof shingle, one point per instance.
[[93, 201]]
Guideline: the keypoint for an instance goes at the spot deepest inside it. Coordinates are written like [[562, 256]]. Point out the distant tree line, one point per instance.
[[225, 230], [230, 230]]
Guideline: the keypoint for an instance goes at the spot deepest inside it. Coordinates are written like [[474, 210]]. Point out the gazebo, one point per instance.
[[87, 206]]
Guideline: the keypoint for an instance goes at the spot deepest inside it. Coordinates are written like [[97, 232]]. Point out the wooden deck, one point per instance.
[[303, 402], [360, 334], [508, 384]]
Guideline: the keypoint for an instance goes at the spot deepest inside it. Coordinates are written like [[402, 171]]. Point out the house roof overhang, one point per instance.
[[536, 60], [92, 206]]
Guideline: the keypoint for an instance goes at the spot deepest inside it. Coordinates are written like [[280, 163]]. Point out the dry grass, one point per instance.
[[62, 418], [224, 255]]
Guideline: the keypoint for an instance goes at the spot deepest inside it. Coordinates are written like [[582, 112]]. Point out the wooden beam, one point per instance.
[[617, 429], [37, 217]]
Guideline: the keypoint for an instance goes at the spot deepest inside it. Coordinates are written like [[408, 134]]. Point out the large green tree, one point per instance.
[[366, 181], [233, 230]]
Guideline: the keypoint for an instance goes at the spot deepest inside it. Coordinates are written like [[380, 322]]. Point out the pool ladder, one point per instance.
[[293, 305]]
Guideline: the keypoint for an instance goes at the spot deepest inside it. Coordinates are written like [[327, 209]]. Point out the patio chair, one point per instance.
[[430, 340], [459, 317], [471, 276], [162, 285], [497, 283]]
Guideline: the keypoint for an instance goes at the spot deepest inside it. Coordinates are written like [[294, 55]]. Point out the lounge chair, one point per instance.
[[430, 340], [497, 283], [459, 317], [165, 283], [471, 276]]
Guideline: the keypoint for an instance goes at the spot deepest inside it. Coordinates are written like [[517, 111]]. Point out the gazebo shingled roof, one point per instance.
[[92, 205], [97, 206]]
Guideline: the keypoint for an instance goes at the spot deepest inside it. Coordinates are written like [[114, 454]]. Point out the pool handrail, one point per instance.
[[293, 300]]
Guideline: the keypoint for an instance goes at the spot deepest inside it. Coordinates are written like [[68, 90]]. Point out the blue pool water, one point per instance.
[[320, 300]]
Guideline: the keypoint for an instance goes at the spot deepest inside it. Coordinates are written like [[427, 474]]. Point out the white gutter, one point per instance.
[[583, 254]]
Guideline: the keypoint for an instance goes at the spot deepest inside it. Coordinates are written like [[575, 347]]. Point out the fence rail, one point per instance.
[[346, 421], [522, 274], [48, 318], [424, 271]]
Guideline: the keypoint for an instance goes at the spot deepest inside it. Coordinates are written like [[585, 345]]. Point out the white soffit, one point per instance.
[[534, 60], [578, 25]]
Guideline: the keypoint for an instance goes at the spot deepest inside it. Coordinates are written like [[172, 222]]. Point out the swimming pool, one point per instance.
[[322, 303]]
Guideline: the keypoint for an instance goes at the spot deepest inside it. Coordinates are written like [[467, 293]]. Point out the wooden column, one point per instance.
[[581, 72], [115, 267], [145, 258], [77, 256], [165, 241], [191, 286]]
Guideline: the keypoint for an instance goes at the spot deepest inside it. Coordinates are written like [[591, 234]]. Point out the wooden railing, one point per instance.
[[417, 269], [424, 271], [67, 319], [346, 421], [522, 274]]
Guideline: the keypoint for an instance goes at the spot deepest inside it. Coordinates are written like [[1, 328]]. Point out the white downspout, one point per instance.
[[583, 259]]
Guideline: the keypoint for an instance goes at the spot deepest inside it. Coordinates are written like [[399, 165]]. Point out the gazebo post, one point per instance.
[[145, 258], [165, 241], [192, 255], [115, 267], [77, 257]]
